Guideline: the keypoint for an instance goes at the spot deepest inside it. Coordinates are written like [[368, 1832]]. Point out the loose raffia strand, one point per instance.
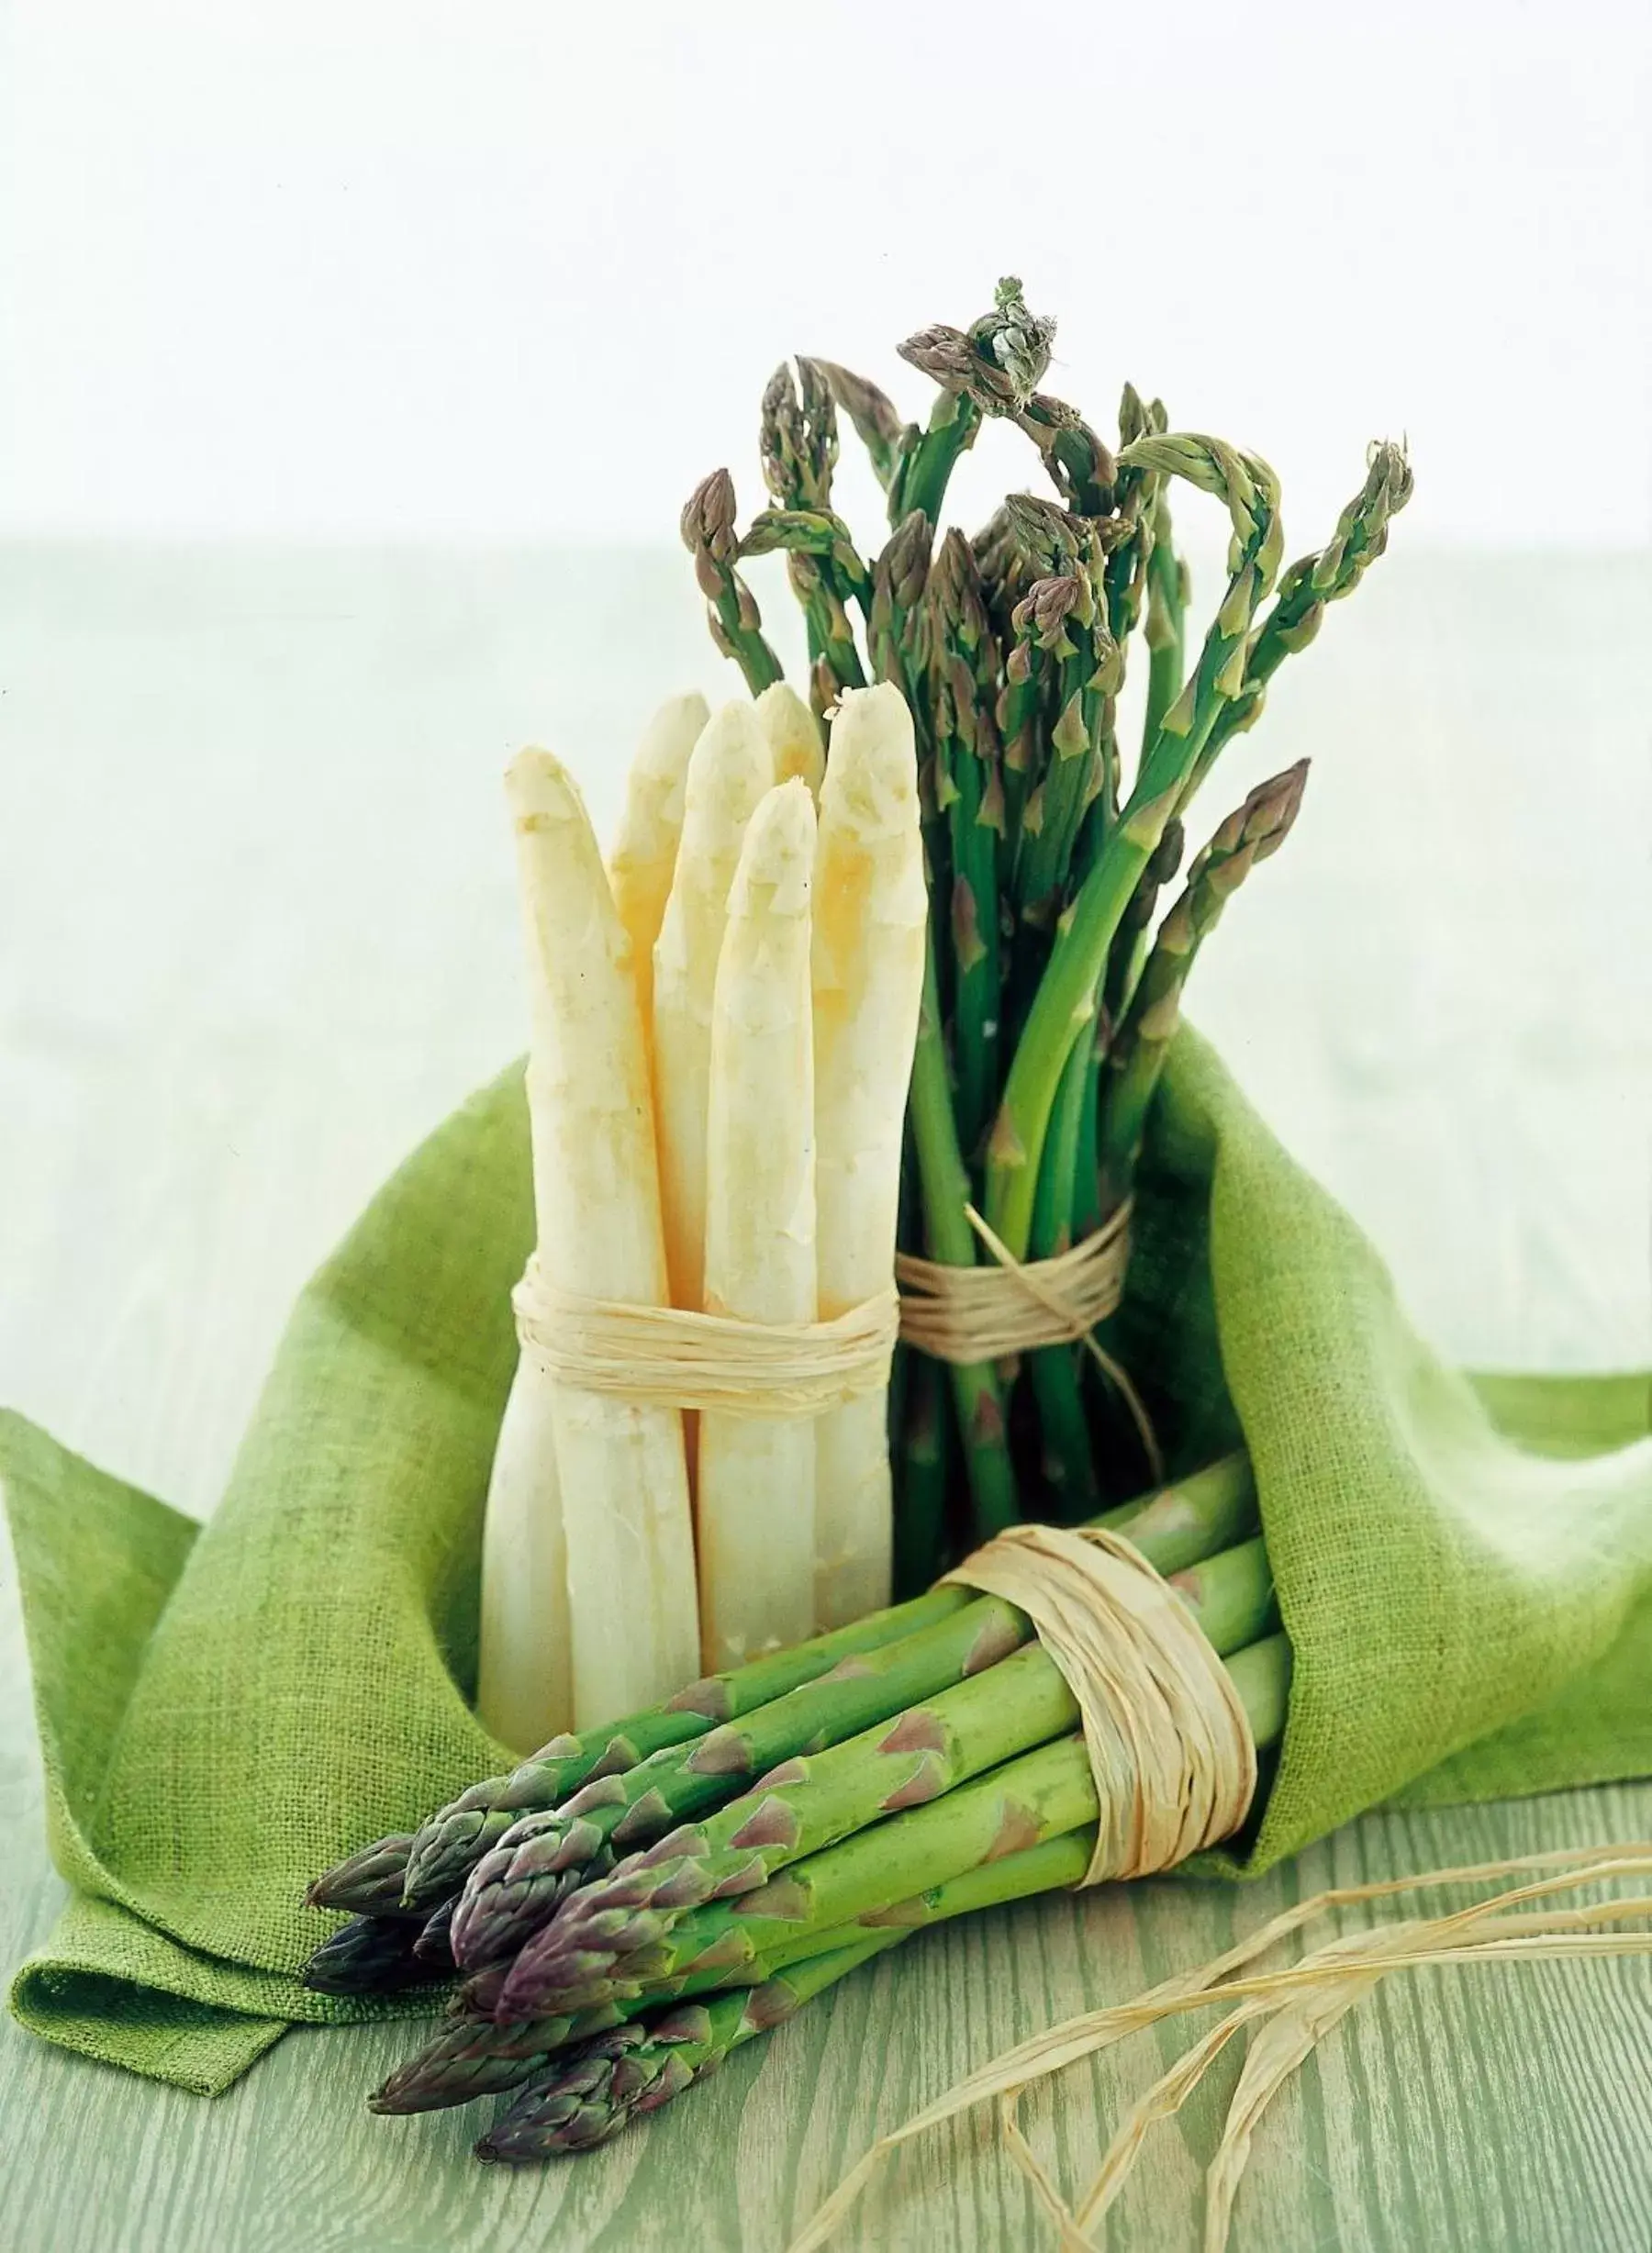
[[1297, 2006], [674, 1358]]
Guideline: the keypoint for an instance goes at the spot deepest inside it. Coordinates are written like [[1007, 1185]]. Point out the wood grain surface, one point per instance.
[[257, 936]]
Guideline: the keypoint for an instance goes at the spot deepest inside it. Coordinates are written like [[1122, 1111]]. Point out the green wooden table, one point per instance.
[[262, 934]]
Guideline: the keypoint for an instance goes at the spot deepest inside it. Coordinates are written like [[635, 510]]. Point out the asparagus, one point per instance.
[[1299, 607], [1068, 991], [367, 1883], [736, 623], [1258, 829], [457, 1836], [636, 2069], [370, 1954], [1128, 951], [1067, 614], [827, 574], [922, 1432], [1028, 1828], [872, 413], [515, 1889], [611, 1930], [1033, 1796], [1169, 591], [944, 1189], [962, 690], [898, 578], [991, 368]]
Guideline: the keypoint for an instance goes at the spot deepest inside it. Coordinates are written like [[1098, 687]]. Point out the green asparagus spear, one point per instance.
[[1258, 827], [1299, 607], [810, 1802], [368, 1883], [961, 691], [797, 440], [707, 530], [369, 1954], [878, 425], [593, 2093], [457, 1835], [871, 1878], [513, 1892], [1069, 991]]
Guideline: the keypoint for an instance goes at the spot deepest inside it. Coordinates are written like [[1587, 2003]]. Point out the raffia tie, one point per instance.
[[967, 1314], [973, 1314], [672, 1358], [1169, 1741]]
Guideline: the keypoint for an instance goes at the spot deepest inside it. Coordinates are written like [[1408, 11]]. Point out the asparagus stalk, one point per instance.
[[1067, 612], [516, 1888], [367, 1883], [1169, 591], [794, 737], [370, 1954], [897, 582], [1030, 1825], [920, 1515], [1258, 829], [730, 773], [1131, 939], [992, 368], [826, 574], [627, 1537], [870, 912], [1299, 607], [812, 1800], [644, 855], [591, 2095], [587, 2096], [946, 1190], [707, 528], [962, 689], [876, 423], [756, 1494], [456, 1836], [1033, 1796], [1069, 989]]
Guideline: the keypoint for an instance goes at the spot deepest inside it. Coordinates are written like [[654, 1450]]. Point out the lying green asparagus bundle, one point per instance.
[[1050, 1002], [630, 1905]]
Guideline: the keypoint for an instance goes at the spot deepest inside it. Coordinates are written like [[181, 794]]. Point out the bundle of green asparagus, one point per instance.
[[1049, 999], [633, 1902]]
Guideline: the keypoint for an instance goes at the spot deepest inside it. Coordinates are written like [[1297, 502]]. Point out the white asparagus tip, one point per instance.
[[673, 730], [541, 791], [731, 748], [871, 775], [794, 735], [777, 860]]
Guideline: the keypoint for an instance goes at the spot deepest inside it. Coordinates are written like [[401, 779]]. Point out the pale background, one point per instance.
[[355, 361]]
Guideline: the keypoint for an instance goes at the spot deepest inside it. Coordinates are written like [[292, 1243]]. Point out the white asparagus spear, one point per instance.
[[624, 1483], [729, 771], [754, 1501], [524, 1676], [869, 909], [794, 735], [644, 854]]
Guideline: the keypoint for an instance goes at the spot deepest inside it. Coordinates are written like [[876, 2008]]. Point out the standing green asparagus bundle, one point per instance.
[[727, 1856], [1049, 1003]]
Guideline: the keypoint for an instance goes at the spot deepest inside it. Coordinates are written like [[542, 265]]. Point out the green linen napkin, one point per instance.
[[1465, 1569]]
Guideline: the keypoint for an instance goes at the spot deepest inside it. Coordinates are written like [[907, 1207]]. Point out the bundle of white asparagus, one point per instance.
[[722, 1024]]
